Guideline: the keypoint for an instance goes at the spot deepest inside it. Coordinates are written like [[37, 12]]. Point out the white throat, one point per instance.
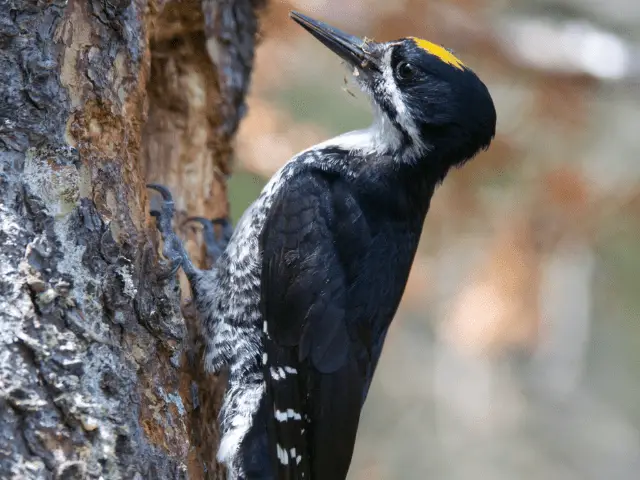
[[380, 137]]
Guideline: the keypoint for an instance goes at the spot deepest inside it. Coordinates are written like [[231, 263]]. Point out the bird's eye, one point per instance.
[[405, 71]]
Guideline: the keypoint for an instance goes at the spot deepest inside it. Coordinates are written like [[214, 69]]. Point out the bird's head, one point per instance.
[[427, 102]]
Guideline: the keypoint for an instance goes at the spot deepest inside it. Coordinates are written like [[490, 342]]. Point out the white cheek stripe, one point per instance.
[[404, 118]]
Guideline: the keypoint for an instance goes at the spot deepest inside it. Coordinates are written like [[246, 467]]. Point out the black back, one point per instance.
[[337, 247]]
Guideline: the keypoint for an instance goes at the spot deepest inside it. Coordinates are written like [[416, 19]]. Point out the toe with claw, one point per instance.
[[214, 244], [227, 230], [173, 249]]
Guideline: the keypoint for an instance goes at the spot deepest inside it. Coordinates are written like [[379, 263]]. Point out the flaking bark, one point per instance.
[[98, 366]]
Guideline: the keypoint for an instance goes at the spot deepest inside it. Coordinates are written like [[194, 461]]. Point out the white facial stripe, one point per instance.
[[390, 86], [395, 98]]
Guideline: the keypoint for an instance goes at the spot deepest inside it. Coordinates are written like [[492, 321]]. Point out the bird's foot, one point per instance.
[[214, 243], [173, 249]]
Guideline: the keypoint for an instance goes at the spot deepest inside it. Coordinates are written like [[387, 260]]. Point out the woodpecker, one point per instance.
[[298, 304]]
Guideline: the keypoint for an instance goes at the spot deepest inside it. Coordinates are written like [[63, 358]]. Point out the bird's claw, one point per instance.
[[214, 245], [171, 271], [227, 229], [173, 249]]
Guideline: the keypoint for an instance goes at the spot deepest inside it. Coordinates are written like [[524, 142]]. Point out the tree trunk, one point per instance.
[[99, 368]]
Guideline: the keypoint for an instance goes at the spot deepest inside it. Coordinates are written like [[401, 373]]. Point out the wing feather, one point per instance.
[[314, 385]]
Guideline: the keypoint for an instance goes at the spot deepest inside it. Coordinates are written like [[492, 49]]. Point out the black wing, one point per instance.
[[314, 383]]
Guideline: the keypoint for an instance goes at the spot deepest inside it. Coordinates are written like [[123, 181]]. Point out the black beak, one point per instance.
[[348, 47]]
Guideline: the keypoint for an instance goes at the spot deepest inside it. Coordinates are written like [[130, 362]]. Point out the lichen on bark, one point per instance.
[[97, 364]]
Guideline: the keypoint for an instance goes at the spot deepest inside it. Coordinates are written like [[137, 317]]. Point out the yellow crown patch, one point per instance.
[[442, 53]]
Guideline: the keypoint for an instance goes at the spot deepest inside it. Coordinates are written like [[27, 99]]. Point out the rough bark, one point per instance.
[[98, 366]]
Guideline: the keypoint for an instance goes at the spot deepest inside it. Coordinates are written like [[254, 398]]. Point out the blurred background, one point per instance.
[[516, 352]]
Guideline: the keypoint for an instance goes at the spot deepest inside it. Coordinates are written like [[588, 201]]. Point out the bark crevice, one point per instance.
[[97, 365]]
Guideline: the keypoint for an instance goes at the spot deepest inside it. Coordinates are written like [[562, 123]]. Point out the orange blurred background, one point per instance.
[[516, 352]]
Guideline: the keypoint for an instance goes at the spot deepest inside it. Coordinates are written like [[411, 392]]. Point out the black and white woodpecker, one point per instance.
[[298, 304]]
